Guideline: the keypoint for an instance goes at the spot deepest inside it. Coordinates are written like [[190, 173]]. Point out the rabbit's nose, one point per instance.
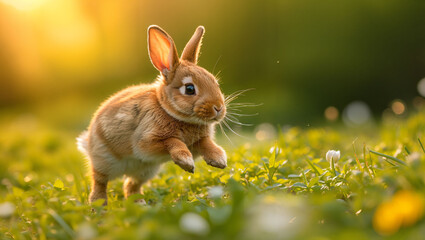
[[218, 109]]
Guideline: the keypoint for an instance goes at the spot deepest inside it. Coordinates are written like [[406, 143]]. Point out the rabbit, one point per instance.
[[141, 127]]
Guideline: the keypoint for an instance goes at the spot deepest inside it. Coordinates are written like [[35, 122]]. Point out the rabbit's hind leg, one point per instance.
[[132, 186], [98, 190]]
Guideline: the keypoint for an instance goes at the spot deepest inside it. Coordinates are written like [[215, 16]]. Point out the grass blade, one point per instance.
[[312, 166], [389, 157], [371, 163], [61, 222], [368, 167], [388, 161], [407, 150], [422, 146], [357, 159]]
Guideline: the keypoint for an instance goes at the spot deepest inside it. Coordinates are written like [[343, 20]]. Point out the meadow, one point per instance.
[[284, 188], [346, 76]]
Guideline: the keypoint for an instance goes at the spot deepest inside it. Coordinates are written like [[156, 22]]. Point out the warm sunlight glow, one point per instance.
[[24, 5]]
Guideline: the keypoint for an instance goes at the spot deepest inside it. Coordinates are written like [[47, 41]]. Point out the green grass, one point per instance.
[[283, 189]]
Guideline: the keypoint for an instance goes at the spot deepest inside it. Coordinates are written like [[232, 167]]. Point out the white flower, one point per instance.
[[332, 154], [6, 209], [273, 149], [195, 224]]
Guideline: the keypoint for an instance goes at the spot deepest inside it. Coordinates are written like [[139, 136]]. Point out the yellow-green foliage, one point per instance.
[[284, 189]]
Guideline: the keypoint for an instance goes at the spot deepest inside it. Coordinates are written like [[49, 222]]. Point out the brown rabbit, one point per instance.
[[139, 128]]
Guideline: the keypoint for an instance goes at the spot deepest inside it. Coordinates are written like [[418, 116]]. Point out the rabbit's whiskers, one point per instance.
[[231, 129], [215, 65], [224, 132], [234, 111], [241, 115], [235, 121], [235, 95]]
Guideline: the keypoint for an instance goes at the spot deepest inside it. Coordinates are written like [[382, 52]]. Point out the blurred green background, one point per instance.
[[60, 59]]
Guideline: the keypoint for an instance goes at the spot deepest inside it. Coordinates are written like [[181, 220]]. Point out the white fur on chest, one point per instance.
[[135, 165]]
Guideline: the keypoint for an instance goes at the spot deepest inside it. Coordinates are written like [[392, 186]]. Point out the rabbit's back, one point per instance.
[[118, 117]]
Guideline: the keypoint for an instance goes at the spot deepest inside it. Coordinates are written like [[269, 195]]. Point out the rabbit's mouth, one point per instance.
[[220, 116], [210, 114]]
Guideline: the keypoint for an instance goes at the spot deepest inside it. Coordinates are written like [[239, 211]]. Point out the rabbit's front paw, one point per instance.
[[216, 157], [185, 160]]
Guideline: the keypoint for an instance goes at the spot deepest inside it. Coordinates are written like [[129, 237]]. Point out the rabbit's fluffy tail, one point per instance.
[[82, 142]]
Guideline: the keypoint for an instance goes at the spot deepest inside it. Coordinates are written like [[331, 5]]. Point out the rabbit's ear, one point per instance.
[[162, 50], [191, 51]]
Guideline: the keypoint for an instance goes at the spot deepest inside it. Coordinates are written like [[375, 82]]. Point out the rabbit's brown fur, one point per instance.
[[143, 126]]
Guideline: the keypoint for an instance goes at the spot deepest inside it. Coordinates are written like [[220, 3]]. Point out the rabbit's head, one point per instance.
[[185, 90]]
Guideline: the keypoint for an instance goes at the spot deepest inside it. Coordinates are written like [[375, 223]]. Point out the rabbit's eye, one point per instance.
[[189, 89]]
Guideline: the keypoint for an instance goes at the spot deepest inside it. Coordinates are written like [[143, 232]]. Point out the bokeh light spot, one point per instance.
[[331, 113], [421, 87], [27, 178], [265, 131], [398, 107], [356, 113], [404, 209]]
